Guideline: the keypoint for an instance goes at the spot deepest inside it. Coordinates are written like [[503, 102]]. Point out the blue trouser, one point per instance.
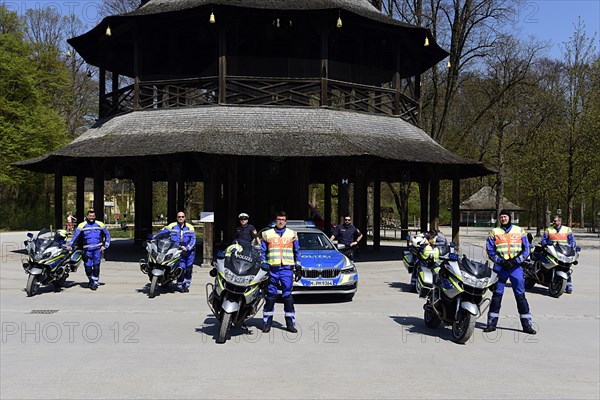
[[92, 265], [284, 277], [186, 262], [569, 283], [518, 285]]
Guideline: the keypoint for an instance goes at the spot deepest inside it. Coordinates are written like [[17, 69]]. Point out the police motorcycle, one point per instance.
[[549, 265], [236, 294], [422, 271], [162, 265], [459, 294], [49, 261]]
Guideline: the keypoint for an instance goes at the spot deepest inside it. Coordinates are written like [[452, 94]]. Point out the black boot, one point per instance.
[[267, 329], [289, 322], [529, 330], [489, 328]]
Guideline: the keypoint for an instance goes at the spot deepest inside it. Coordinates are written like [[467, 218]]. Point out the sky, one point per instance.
[[548, 20], [555, 20]]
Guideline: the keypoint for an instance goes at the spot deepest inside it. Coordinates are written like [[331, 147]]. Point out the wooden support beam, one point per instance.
[[98, 167], [343, 198], [456, 211], [327, 210], [222, 66], [434, 201], [101, 92], [376, 214], [360, 203], [324, 67], [233, 208], [59, 219], [424, 197]]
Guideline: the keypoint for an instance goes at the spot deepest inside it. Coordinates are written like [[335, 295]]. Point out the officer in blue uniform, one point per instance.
[[245, 231], [507, 247], [183, 233], [348, 235], [280, 254], [96, 239]]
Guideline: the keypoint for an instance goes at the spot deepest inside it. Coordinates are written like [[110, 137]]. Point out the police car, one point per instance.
[[324, 269]]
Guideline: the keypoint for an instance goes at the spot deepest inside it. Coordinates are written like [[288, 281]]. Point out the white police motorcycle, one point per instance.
[[162, 265], [49, 261], [236, 294]]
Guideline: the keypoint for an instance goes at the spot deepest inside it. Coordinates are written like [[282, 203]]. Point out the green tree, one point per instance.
[[30, 126]]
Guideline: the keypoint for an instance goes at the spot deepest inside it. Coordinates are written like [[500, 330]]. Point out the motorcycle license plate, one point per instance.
[[321, 283]]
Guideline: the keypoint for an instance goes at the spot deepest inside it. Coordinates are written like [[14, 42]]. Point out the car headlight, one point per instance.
[[349, 269], [475, 282]]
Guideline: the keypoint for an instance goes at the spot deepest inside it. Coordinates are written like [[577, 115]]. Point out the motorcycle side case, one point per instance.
[[408, 261]]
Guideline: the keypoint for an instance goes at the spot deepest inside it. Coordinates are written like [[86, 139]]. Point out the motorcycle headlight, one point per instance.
[[475, 282], [168, 257], [238, 280]]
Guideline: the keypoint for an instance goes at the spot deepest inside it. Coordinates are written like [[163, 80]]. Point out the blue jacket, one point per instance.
[[94, 235], [184, 235]]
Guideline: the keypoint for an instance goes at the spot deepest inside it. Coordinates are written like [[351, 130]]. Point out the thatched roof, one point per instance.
[[485, 200], [260, 131]]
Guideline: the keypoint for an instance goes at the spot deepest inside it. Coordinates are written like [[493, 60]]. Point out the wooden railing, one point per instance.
[[310, 92]]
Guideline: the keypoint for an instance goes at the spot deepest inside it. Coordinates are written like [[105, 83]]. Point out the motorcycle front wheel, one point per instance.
[[33, 284], [557, 286], [224, 328], [463, 326], [153, 287], [430, 317]]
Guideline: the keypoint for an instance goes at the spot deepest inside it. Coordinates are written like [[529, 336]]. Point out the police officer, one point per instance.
[[347, 234], [563, 235], [280, 255], [507, 246], [96, 239], [183, 233], [245, 231]]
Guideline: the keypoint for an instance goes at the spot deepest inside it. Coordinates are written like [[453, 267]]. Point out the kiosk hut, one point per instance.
[[257, 99]]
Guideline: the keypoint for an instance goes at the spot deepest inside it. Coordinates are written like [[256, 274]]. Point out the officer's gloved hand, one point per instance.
[[297, 272], [513, 262], [265, 266], [506, 264]]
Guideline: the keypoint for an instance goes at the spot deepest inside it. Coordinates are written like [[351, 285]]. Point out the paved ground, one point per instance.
[[117, 343]]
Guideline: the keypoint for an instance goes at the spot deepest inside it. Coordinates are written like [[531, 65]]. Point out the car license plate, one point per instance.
[[321, 283]]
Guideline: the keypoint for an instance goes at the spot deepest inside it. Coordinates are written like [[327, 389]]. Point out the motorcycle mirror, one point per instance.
[[452, 244], [149, 236], [578, 249], [408, 238], [213, 272], [30, 235], [529, 237]]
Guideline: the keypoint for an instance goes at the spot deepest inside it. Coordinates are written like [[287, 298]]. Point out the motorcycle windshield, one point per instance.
[[163, 242], [444, 249], [475, 268], [43, 240], [565, 250], [244, 261]]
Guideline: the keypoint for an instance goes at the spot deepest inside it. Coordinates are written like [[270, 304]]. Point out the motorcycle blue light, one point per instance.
[[453, 257]]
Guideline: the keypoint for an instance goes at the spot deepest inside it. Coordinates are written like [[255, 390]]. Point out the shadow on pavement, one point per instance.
[[405, 287]]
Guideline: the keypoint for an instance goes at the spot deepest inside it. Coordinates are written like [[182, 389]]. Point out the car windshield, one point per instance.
[[314, 241]]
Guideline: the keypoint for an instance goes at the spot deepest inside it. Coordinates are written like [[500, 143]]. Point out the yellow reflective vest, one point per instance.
[[508, 245], [280, 249]]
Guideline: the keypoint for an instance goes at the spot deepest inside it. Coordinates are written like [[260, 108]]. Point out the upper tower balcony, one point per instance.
[[341, 54]]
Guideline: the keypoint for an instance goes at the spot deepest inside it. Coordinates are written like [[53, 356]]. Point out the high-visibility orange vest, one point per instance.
[[508, 245], [560, 236], [280, 249]]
